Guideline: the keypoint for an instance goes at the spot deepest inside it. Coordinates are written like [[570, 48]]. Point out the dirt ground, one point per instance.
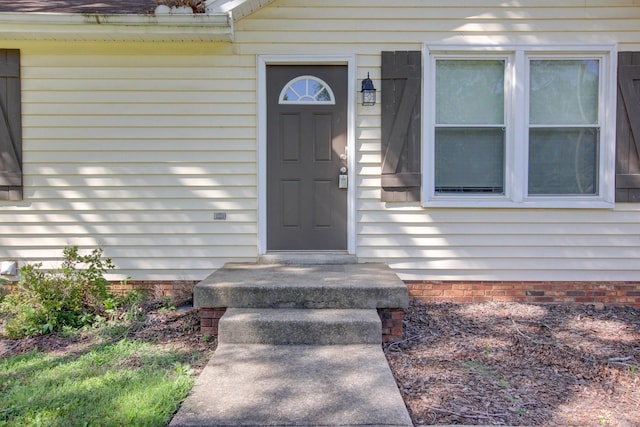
[[485, 364], [519, 365]]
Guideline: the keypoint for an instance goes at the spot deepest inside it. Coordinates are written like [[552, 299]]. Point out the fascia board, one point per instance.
[[240, 8]]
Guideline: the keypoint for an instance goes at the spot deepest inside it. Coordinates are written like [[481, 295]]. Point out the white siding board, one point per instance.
[[140, 181], [498, 274], [142, 169], [582, 266], [133, 217], [151, 134], [182, 228], [126, 240], [141, 109], [146, 58], [146, 192], [133, 87], [158, 204], [508, 228], [144, 252], [129, 121], [149, 97], [128, 145], [381, 28], [193, 75], [464, 241], [106, 156]]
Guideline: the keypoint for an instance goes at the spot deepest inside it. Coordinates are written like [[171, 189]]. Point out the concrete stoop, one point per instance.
[[298, 345]]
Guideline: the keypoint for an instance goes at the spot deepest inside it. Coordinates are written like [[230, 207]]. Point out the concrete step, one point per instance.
[[308, 258], [288, 385], [300, 326], [302, 286]]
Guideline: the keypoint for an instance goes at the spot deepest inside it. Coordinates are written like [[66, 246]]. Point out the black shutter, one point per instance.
[[628, 128], [401, 139], [10, 126]]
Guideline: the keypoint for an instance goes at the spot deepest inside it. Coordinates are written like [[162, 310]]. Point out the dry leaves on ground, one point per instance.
[[519, 364]]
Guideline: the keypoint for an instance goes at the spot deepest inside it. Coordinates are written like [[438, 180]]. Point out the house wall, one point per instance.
[[461, 244], [133, 147]]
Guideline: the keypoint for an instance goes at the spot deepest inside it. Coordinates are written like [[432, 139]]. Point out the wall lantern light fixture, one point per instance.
[[368, 92]]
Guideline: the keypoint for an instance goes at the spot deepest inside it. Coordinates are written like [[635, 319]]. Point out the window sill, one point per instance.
[[546, 203]]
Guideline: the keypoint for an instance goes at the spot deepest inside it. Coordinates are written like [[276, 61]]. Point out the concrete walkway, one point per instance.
[[298, 346], [283, 385]]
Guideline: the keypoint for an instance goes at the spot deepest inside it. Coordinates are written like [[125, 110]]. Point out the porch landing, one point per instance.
[[298, 345], [338, 286]]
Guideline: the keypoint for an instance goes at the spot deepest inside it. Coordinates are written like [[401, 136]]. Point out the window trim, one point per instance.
[[517, 125]]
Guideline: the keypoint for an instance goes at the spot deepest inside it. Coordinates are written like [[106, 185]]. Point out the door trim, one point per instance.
[[350, 62]]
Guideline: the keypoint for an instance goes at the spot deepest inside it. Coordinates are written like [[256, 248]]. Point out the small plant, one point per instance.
[[166, 304], [487, 352], [125, 307], [183, 369], [3, 291], [603, 421], [45, 301]]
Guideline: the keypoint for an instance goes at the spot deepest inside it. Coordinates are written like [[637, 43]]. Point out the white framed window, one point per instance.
[[519, 126], [307, 90]]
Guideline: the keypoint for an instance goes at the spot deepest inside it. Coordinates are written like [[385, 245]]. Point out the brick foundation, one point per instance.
[[209, 320], [468, 291], [391, 323], [607, 293], [176, 291]]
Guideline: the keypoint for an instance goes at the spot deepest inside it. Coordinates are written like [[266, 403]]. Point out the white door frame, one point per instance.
[[350, 62]]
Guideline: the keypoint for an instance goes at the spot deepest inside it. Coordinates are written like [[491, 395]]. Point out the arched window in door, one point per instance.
[[307, 90]]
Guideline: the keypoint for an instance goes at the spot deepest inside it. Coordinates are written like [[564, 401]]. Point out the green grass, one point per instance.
[[123, 383]]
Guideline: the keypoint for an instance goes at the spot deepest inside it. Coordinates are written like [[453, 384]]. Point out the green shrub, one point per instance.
[[3, 291], [45, 301]]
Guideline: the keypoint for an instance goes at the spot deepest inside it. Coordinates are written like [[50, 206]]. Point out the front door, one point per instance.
[[306, 154]]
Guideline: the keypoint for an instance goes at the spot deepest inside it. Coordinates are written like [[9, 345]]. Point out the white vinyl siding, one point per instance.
[[134, 146], [134, 152]]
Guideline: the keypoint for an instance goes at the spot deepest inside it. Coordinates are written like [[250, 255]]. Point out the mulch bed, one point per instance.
[[519, 365]]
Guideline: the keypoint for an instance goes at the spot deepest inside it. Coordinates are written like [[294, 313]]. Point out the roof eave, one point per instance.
[[216, 27]]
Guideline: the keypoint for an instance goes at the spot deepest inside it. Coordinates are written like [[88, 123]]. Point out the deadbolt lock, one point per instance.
[[343, 180]]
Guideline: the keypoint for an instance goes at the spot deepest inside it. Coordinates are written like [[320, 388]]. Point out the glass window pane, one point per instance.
[[300, 87], [563, 161], [469, 160], [306, 90], [290, 95], [470, 92], [323, 95], [564, 91]]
